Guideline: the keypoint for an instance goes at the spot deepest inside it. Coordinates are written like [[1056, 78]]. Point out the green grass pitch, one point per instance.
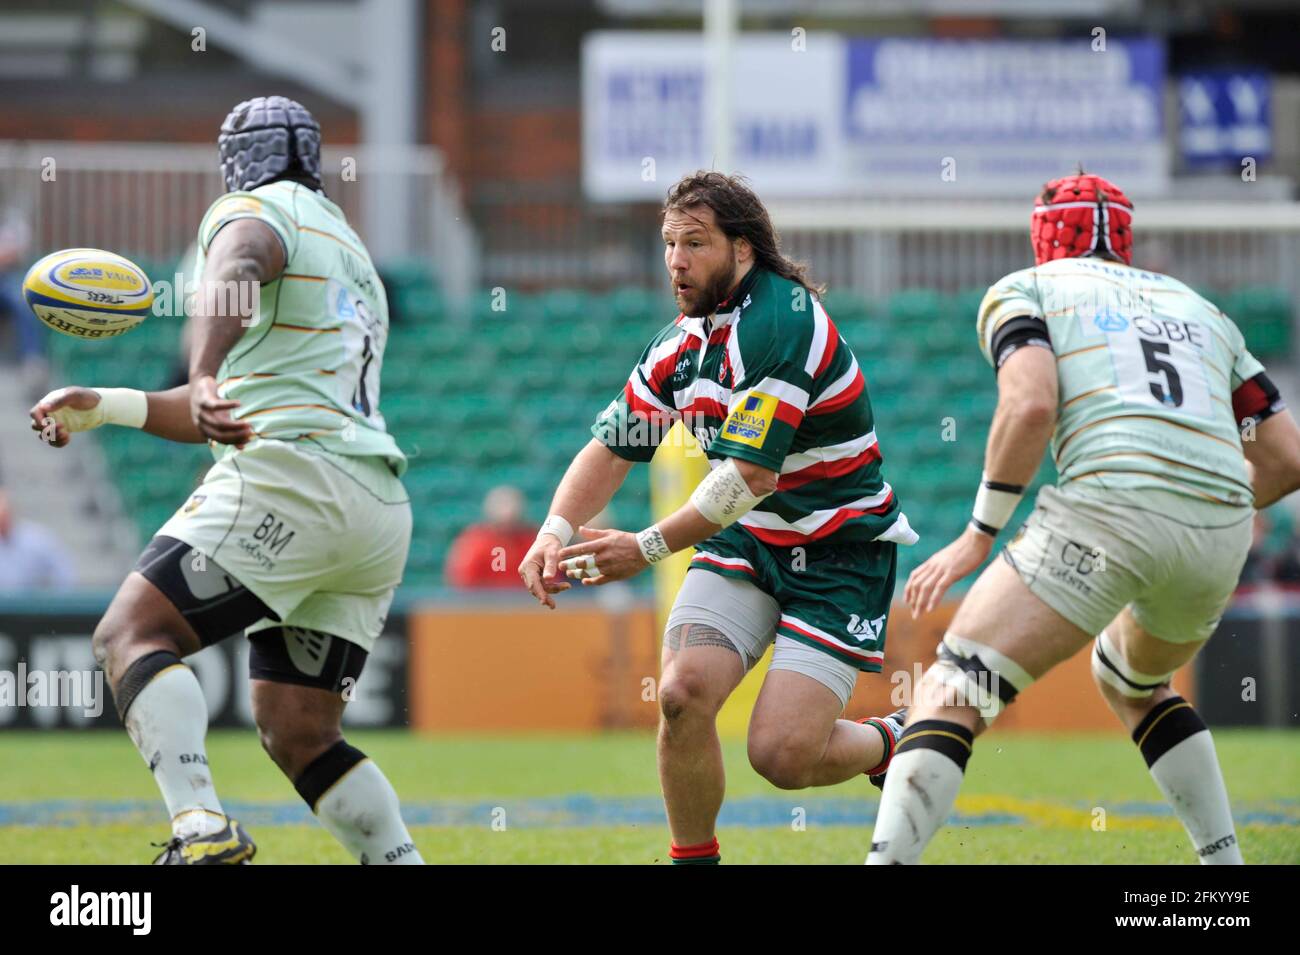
[[88, 798]]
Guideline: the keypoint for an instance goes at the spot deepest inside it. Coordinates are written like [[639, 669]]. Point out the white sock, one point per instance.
[[1180, 753], [920, 788], [167, 721], [1192, 783], [362, 812]]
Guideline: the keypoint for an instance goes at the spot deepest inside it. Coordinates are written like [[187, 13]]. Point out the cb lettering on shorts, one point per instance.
[[1082, 560], [271, 532]]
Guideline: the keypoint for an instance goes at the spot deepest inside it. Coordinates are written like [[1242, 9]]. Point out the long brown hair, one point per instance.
[[740, 215]]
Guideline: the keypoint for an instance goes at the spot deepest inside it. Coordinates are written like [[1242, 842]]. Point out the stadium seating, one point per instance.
[[507, 395]]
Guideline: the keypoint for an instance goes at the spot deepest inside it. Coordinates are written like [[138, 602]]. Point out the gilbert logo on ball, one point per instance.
[[88, 293]]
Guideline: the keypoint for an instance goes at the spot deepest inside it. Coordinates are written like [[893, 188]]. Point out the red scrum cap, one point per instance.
[[1081, 214]]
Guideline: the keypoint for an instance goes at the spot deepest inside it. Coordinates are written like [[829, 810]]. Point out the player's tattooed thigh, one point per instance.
[[697, 635]]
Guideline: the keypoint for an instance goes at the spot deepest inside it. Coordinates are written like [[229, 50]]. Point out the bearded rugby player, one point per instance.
[[1146, 391], [298, 534], [795, 529]]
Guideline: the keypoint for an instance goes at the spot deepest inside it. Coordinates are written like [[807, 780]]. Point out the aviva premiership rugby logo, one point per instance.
[[749, 423], [193, 503]]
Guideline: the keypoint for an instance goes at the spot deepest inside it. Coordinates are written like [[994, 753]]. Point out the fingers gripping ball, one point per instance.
[[88, 293]]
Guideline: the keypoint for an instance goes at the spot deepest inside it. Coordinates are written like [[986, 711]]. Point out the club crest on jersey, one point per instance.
[[750, 423], [724, 369]]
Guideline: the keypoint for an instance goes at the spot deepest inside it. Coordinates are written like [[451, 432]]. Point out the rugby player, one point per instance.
[[1150, 399], [795, 529], [299, 532]]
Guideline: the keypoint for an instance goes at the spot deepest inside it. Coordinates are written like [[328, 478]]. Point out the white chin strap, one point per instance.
[[1110, 667], [723, 497]]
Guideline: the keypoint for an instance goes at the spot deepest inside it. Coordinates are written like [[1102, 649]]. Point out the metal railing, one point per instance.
[[146, 199], [878, 248], [540, 238]]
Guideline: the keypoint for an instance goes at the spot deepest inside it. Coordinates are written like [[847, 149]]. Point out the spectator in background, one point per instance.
[[486, 554], [30, 557], [15, 251]]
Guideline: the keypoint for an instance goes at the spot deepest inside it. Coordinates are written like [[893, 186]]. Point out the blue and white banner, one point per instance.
[[1225, 116], [645, 112], [976, 117], [825, 115]]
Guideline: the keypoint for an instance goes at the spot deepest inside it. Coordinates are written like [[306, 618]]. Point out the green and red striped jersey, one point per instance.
[[767, 380]]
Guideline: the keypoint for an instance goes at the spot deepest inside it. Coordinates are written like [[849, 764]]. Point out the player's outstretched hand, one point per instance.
[[603, 557], [211, 414], [50, 415], [929, 582], [540, 570]]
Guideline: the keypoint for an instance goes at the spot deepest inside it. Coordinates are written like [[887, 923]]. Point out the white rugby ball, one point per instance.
[[88, 293]]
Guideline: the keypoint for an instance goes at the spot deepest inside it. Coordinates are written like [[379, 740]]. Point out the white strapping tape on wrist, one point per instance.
[[557, 527], [653, 546], [124, 406], [723, 497], [995, 503]]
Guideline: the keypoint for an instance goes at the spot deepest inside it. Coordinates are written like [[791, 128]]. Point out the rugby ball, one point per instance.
[[88, 293]]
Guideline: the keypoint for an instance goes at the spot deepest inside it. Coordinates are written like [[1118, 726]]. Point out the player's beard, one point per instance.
[[700, 302]]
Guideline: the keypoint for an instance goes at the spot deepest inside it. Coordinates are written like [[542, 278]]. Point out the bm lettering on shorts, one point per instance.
[[273, 535], [270, 538]]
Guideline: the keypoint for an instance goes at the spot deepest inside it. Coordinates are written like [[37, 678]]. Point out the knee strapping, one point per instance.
[[978, 675], [1110, 667]]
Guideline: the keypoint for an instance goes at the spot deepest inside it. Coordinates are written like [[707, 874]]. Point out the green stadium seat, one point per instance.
[[1264, 316], [510, 336], [416, 304], [914, 313], [508, 397], [566, 306], [846, 308], [869, 339]]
